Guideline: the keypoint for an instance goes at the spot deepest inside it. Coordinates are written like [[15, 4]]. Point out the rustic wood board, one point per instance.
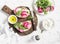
[[34, 21]]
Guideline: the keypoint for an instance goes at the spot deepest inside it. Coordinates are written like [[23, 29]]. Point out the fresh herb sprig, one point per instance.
[[19, 12]]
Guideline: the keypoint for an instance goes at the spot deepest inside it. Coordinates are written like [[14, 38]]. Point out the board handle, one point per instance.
[[7, 10]]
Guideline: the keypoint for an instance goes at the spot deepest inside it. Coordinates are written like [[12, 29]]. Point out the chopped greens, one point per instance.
[[29, 17], [43, 4], [45, 12], [19, 25], [22, 27], [18, 13]]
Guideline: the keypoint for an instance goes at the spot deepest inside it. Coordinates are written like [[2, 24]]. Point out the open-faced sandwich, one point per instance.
[[22, 12], [23, 26]]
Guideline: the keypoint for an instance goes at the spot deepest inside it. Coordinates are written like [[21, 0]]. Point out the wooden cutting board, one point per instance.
[[6, 9]]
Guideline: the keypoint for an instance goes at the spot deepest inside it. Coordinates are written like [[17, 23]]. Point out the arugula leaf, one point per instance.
[[29, 18], [19, 25], [45, 12], [22, 27], [18, 13], [43, 3], [16, 24]]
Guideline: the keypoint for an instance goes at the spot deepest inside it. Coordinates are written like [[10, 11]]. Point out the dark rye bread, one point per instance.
[[34, 21]]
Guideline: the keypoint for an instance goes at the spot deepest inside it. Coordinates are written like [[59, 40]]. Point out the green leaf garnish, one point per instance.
[[19, 25], [16, 24], [22, 27], [43, 3], [45, 12], [29, 17], [18, 13]]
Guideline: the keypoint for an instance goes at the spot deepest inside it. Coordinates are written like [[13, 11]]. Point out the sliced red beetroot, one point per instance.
[[27, 25], [52, 8], [48, 9], [40, 10], [24, 14], [16, 10]]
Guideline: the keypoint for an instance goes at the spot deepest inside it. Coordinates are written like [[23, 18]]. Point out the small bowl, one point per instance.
[[36, 8], [12, 19], [20, 8], [46, 24]]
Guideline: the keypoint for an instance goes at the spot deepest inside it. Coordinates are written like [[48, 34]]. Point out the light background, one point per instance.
[[47, 37]]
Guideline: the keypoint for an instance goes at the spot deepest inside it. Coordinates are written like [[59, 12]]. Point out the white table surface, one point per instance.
[[47, 37]]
